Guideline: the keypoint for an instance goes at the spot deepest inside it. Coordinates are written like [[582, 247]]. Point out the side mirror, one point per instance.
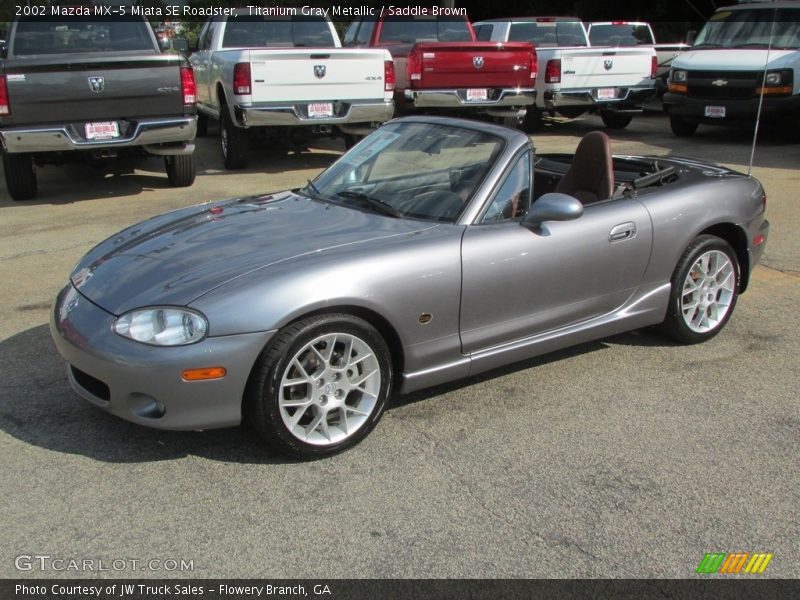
[[181, 45], [690, 35], [553, 207]]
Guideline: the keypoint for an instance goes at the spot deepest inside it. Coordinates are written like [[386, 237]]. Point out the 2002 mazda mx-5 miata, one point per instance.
[[434, 249]]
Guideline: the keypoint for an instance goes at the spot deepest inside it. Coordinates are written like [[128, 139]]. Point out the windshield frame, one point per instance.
[[737, 28]]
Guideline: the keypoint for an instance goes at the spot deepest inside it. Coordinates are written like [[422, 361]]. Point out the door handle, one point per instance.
[[623, 231]]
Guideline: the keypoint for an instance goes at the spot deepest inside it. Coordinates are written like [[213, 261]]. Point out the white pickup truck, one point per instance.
[[575, 78], [286, 77]]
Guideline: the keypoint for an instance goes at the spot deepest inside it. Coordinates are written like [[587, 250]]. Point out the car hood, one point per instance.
[[732, 59], [174, 258]]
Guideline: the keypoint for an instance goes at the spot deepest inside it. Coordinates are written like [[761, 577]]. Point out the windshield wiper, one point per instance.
[[312, 192], [370, 202]]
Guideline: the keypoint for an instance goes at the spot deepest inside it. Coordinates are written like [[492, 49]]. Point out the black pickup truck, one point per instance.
[[93, 89]]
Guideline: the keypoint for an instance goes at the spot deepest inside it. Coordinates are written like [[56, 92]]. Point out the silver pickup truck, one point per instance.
[[83, 87], [288, 78]]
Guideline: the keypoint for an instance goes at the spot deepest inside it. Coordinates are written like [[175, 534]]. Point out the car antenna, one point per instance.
[[761, 95]]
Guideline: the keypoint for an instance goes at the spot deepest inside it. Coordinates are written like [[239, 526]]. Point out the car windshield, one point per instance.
[[620, 34], [752, 28], [253, 31], [411, 170], [546, 33], [80, 34]]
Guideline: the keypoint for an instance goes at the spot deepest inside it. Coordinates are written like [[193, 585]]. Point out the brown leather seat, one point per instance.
[[590, 177]]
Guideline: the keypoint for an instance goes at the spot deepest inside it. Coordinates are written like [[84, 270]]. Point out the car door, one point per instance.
[[519, 282]]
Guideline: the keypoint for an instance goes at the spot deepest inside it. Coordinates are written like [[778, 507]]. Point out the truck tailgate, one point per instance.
[[81, 89], [474, 65], [302, 74], [605, 67]]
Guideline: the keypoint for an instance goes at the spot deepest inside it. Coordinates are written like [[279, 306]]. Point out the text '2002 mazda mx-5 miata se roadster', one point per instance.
[[433, 250]]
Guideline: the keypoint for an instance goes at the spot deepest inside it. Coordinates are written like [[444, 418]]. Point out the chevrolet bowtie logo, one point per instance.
[[720, 82]]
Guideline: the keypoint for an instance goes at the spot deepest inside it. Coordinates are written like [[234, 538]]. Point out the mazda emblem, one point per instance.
[[97, 84]]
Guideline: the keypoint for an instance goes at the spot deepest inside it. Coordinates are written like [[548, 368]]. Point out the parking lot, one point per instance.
[[625, 457]]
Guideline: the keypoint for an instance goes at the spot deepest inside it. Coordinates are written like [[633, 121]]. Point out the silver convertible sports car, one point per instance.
[[433, 250]]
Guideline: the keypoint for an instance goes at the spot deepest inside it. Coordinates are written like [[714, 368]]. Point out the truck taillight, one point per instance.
[[241, 78], [188, 86], [388, 76], [552, 71], [534, 64], [653, 67], [414, 66], [5, 108]]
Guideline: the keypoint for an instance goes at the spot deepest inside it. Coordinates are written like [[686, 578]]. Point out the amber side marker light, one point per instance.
[[677, 88], [204, 374]]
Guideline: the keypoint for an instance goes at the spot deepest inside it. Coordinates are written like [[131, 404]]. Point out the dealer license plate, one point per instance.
[[477, 95], [606, 93], [716, 112], [103, 130], [320, 110]]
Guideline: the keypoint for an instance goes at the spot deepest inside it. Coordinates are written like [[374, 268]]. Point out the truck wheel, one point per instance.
[[202, 125], [351, 140], [233, 142], [180, 170], [681, 127], [533, 120], [511, 122], [20, 176], [616, 120]]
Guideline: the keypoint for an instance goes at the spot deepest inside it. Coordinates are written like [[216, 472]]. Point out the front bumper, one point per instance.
[[624, 98], [161, 136], [296, 114], [143, 383], [457, 98], [736, 110]]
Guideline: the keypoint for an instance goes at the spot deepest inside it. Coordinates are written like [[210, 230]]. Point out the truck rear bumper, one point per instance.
[[735, 109], [457, 98], [296, 114], [625, 98], [165, 136]]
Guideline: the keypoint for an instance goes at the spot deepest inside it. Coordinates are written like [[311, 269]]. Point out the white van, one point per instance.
[[743, 52]]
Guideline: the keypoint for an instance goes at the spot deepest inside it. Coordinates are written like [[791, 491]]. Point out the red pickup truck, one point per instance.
[[440, 65]]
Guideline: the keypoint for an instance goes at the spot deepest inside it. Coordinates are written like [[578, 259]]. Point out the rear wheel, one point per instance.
[[180, 169], [705, 286], [512, 122], [614, 120], [20, 176], [233, 142], [533, 120], [681, 127], [320, 387]]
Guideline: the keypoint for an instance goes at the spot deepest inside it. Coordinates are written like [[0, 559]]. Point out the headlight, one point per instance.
[[165, 326], [773, 78], [679, 76]]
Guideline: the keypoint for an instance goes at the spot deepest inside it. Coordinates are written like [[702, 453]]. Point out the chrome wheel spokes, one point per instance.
[[708, 291], [329, 389]]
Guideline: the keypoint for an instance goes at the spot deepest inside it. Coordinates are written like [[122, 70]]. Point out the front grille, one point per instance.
[[91, 384], [736, 85]]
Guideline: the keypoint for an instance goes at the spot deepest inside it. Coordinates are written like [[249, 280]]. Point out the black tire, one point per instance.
[[263, 395], [533, 120], [681, 127], [675, 325], [351, 140], [511, 122], [180, 170], [233, 142], [202, 125], [20, 176], [614, 120]]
